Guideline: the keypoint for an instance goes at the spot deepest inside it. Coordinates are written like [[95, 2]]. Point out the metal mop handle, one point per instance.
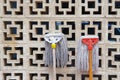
[[53, 45]]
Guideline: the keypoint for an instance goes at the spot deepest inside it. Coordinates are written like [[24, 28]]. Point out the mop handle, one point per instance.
[[90, 65], [90, 42], [53, 45]]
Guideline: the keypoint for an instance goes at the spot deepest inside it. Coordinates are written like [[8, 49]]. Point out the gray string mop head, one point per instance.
[[61, 51], [83, 58]]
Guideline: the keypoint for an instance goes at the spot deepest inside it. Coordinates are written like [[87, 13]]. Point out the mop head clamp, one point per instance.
[[53, 37], [58, 42], [90, 41], [85, 44]]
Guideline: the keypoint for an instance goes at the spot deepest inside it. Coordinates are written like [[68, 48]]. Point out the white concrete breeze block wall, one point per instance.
[[23, 24]]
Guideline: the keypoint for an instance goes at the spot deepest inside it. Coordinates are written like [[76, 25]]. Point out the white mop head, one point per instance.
[[61, 50], [82, 58]]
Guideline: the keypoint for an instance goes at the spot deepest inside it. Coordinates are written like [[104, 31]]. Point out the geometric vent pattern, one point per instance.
[[23, 24]]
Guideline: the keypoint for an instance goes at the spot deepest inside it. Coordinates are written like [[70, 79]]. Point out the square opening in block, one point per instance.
[[117, 57], [117, 31], [39, 56], [91, 31], [13, 56], [91, 4], [39, 5], [117, 4], [39, 31], [13, 4], [65, 4], [65, 30], [13, 30]]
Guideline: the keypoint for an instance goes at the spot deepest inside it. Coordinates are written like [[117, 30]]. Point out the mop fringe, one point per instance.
[[61, 53], [82, 58]]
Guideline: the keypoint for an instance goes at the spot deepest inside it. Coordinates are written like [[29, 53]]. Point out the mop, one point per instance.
[[88, 54], [56, 52]]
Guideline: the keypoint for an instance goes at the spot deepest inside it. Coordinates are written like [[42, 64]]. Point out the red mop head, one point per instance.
[[86, 44], [90, 41]]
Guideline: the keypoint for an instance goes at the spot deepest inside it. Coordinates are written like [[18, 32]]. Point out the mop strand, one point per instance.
[[83, 59], [61, 53]]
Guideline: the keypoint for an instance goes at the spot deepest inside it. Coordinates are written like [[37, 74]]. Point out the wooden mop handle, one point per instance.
[[54, 65], [90, 65], [53, 45], [90, 42]]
